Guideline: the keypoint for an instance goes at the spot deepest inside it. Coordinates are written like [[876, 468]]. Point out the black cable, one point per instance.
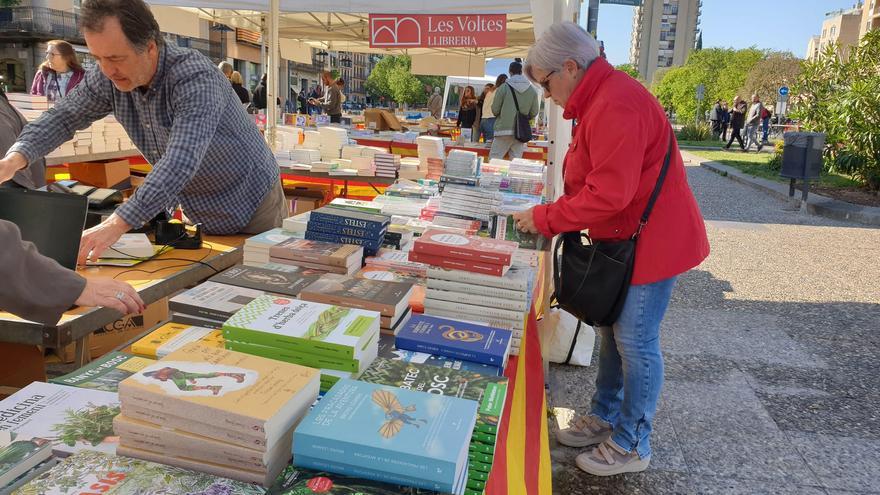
[[199, 261]]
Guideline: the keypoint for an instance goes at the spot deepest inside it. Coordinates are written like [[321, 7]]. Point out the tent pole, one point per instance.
[[272, 75]]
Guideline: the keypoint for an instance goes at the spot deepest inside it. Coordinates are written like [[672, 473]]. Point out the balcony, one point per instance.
[[211, 49], [39, 23]]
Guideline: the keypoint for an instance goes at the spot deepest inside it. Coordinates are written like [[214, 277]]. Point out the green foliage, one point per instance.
[[90, 424], [768, 75], [841, 98], [694, 132], [629, 69], [392, 79], [775, 163], [9, 3]]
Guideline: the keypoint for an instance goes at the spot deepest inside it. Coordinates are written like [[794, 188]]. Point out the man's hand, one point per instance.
[[525, 221], [97, 239], [111, 294], [11, 164]]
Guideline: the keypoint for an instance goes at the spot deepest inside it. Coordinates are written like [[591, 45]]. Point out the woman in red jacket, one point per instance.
[[59, 74], [620, 138]]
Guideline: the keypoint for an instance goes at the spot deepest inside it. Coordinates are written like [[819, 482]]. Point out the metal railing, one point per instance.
[[40, 22], [208, 48]]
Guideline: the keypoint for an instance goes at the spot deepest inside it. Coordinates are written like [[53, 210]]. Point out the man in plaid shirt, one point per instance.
[[208, 155]]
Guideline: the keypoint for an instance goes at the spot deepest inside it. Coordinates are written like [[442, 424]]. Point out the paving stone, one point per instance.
[[710, 485], [702, 409], [847, 463], [576, 482], [824, 415]]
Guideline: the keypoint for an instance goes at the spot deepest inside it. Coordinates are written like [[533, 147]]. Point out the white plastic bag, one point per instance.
[[557, 330]]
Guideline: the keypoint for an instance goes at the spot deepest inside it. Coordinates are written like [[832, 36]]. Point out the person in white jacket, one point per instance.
[[753, 123]]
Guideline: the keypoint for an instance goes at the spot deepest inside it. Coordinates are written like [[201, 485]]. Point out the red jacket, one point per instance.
[[38, 87], [611, 167]]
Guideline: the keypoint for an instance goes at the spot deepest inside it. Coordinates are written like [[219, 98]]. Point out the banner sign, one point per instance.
[[436, 31]]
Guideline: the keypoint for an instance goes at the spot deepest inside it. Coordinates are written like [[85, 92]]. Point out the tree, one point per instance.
[[9, 3], [767, 76], [393, 79], [629, 69]]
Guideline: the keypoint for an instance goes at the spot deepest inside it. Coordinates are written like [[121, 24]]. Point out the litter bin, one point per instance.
[[802, 158]]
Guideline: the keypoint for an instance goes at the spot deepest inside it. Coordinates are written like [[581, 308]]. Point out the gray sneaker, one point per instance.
[[609, 459], [584, 431]]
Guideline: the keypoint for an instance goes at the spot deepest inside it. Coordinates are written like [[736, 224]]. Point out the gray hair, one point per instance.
[[561, 42], [225, 67]]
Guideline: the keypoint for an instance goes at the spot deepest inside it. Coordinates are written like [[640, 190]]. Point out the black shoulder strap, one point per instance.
[[660, 179], [513, 92]]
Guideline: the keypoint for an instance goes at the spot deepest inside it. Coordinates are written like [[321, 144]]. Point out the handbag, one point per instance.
[[592, 278], [522, 129]]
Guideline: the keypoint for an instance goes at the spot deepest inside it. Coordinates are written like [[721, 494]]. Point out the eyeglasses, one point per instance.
[[545, 83], [52, 54]]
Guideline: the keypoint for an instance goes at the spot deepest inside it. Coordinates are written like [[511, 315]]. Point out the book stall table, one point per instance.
[[327, 178], [92, 157], [171, 271]]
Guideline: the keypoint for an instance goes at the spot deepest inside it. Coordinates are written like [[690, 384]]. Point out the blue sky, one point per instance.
[[775, 24]]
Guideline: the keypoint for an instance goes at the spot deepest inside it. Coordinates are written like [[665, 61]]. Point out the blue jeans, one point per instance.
[[765, 126], [487, 129], [631, 367]]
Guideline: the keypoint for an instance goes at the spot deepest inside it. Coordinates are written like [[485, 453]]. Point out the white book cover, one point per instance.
[[72, 418], [212, 299], [516, 278], [130, 246]]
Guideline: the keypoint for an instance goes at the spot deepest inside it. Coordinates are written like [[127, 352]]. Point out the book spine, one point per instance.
[[475, 311], [370, 246], [282, 341], [320, 216], [457, 264], [463, 253], [477, 290], [204, 467], [317, 464], [239, 282], [465, 277], [335, 300], [484, 301], [332, 228], [340, 270], [301, 256], [199, 322], [483, 320], [198, 311], [406, 464], [243, 438], [431, 348], [304, 359]]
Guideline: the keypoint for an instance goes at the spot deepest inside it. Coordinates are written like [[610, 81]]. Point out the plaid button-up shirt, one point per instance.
[[207, 153]]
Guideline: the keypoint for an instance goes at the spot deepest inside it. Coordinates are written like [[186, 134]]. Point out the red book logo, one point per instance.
[[395, 31]]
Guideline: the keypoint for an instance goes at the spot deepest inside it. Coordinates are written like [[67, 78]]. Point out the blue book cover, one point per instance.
[[411, 434], [388, 351], [335, 228], [349, 218], [370, 247], [455, 339]]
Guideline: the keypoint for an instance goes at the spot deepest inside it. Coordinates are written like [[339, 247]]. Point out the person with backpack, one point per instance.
[[766, 114], [514, 97]]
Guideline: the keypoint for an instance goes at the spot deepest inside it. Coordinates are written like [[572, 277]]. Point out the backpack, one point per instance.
[[765, 114]]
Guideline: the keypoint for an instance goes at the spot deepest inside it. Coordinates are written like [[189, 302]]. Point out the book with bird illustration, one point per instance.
[[303, 326], [420, 437]]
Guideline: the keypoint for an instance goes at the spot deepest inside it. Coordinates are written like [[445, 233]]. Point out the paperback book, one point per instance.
[[172, 336], [310, 359], [350, 218], [212, 300], [390, 274], [299, 481], [104, 373], [285, 283], [455, 339], [18, 456], [388, 351], [370, 246], [459, 264], [391, 299], [318, 252], [517, 278], [479, 249], [332, 228]]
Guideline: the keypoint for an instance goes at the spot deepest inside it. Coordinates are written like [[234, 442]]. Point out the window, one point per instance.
[[824, 32], [833, 30]]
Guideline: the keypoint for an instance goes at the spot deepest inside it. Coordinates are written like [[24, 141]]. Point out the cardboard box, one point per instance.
[[380, 120], [303, 199], [100, 174], [114, 334], [20, 365]]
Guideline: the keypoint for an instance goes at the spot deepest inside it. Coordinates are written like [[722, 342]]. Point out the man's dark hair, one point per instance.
[[135, 18], [515, 68]]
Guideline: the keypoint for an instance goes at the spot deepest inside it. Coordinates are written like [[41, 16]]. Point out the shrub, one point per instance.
[[775, 163], [695, 132]]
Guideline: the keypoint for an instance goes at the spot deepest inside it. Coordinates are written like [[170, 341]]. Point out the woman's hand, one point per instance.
[[525, 221]]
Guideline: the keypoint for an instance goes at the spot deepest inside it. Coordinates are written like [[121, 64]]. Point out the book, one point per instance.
[[390, 299], [194, 321], [172, 336], [71, 418], [20, 455], [332, 228], [484, 301], [504, 228], [163, 439], [370, 246], [421, 436], [322, 253], [478, 320], [28, 475], [390, 325], [310, 359], [221, 387], [284, 283], [459, 264], [377, 474], [477, 290], [305, 326], [296, 480], [130, 246], [455, 339], [517, 278], [480, 249], [388, 351], [212, 300], [104, 373], [390, 274], [468, 311], [398, 260], [316, 267], [350, 218], [96, 472]]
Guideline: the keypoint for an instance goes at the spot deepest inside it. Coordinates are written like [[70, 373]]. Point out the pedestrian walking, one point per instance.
[[514, 96], [715, 119], [435, 104], [753, 122], [737, 119], [725, 120], [766, 114]]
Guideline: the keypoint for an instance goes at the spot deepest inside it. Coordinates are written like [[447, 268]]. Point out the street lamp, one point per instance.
[[345, 61], [321, 56]]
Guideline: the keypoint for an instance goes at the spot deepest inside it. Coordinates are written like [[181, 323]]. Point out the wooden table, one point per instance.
[[92, 157], [155, 279], [371, 181]]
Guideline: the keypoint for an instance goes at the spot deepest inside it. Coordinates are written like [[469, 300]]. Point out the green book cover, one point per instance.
[[302, 358], [305, 327], [105, 373], [301, 481]]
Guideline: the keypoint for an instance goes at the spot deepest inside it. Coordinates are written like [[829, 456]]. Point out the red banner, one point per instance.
[[434, 31]]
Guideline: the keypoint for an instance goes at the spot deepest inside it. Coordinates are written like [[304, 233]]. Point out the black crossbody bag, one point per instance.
[[522, 129], [592, 278]]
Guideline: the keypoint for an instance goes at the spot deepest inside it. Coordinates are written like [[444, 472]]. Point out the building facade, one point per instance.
[[813, 47], [664, 33], [870, 17], [841, 27]]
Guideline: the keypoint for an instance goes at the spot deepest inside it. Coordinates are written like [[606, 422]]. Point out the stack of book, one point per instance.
[[398, 261], [325, 166], [331, 140], [469, 227], [172, 336], [305, 155], [387, 350], [217, 411], [489, 392], [430, 147], [461, 163], [348, 226], [488, 298], [401, 205], [209, 304], [312, 140], [318, 255], [469, 202], [390, 299], [103, 373], [340, 341], [410, 168], [455, 339], [357, 205], [296, 223], [405, 137], [397, 237], [468, 253], [388, 434], [24, 102], [256, 248], [389, 274], [285, 283], [364, 165], [387, 164], [435, 168], [421, 189]]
